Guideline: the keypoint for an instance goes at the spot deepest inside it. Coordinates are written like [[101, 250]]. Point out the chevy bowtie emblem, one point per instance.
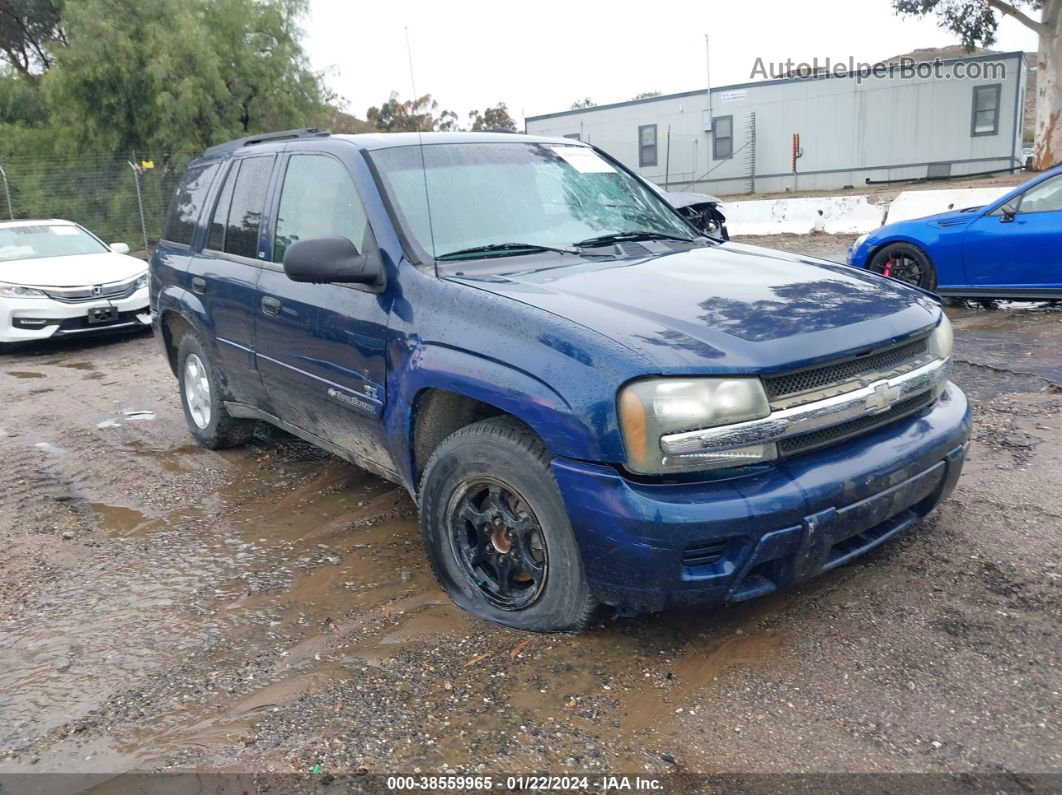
[[97, 289], [882, 398]]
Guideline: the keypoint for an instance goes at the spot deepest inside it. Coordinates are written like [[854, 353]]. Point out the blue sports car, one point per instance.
[[1011, 248]]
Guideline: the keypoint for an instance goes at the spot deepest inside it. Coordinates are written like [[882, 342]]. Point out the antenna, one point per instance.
[[708, 79], [423, 161]]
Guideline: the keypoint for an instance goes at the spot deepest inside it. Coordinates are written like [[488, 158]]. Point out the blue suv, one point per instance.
[[590, 402]]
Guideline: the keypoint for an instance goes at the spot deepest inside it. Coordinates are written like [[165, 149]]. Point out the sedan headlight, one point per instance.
[[142, 281], [655, 407], [942, 339], [860, 241], [18, 291]]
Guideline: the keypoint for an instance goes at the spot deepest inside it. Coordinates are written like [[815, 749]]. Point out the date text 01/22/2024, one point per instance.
[[524, 783]]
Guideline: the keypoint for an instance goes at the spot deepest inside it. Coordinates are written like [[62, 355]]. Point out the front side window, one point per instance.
[[318, 200], [187, 204], [485, 194], [38, 241], [647, 145], [238, 214], [1043, 198], [723, 137], [986, 110]]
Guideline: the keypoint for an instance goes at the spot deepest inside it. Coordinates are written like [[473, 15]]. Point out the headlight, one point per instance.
[[142, 281], [653, 408], [942, 339], [860, 241], [18, 291]]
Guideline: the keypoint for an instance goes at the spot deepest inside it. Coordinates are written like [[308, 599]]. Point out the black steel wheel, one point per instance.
[[497, 533], [498, 541]]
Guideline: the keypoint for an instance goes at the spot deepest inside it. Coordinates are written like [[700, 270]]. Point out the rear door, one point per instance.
[[322, 347], [226, 273], [1024, 253]]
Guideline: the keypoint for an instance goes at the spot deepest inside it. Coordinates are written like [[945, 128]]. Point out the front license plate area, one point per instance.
[[100, 315]]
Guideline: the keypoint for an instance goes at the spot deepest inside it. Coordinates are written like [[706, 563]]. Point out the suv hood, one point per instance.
[[74, 271], [727, 307]]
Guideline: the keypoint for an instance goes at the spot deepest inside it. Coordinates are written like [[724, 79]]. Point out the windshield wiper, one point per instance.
[[516, 249], [619, 237]]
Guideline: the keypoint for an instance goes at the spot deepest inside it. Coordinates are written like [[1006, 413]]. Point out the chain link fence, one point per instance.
[[120, 197]]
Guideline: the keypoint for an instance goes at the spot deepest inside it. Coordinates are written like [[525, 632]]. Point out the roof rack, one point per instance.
[[250, 140]]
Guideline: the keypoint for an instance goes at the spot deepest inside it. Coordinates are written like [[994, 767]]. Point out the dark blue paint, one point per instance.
[[975, 252], [551, 346]]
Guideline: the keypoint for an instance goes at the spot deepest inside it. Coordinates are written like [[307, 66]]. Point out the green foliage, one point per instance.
[[585, 102], [646, 95], [495, 118], [162, 78], [183, 74]]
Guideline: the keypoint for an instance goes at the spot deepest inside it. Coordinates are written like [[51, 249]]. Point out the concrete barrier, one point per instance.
[[920, 203], [835, 215]]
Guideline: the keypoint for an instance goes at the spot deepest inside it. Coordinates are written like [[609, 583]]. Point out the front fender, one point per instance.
[[517, 392]]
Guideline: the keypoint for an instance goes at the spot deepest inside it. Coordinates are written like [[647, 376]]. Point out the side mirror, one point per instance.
[[1009, 211], [328, 260], [119, 248]]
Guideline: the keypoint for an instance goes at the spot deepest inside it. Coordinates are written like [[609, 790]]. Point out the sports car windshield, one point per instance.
[[468, 201], [35, 241]]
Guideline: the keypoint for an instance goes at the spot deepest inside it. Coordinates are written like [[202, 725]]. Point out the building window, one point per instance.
[[723, 137], [985, 110], [573, 136], [647, 145]]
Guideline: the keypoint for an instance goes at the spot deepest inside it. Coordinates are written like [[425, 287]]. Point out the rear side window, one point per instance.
[[246, 202], [318, 200], [187, 204], [216, 239]]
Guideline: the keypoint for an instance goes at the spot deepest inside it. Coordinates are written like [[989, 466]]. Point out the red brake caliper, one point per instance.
[[887, 270]]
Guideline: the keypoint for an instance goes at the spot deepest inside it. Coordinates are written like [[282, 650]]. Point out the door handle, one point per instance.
[[270, 305], [198, 285]]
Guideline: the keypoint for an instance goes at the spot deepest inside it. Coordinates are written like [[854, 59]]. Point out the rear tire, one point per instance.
[[905, 262], [207, 418], [497, 533]]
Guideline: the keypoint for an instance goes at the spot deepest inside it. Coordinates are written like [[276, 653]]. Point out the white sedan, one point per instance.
[[57, 279]]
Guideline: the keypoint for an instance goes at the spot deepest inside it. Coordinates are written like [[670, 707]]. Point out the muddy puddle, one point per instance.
[[1016, 347]]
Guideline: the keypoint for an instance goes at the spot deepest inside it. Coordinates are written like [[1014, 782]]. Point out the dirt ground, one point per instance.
[[269, 608]]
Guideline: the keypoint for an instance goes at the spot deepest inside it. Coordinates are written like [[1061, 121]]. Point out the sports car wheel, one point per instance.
[[905, 262]]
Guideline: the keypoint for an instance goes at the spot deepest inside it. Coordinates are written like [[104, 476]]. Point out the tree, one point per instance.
[[646, 95], [412, 115], [29, 29], [180, 75], [975, 21], [585, 102], [495, 118]]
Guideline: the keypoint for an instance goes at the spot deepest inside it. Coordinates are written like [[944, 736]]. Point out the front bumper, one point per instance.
[[652, 546], [28, 319]]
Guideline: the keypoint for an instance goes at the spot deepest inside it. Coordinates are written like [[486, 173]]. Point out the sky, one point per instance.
[[541, 57]]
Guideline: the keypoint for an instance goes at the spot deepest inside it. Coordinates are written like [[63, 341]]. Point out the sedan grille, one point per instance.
[[74, 295]]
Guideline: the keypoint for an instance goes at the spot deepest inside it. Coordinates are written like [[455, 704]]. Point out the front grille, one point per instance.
[[783, 389], [820, 438], [76, 295]]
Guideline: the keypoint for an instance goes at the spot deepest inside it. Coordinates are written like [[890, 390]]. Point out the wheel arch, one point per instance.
[[441, 389]]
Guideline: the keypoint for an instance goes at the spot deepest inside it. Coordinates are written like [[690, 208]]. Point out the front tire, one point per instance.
[[208, 420], [497, 533], [906, 262]]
